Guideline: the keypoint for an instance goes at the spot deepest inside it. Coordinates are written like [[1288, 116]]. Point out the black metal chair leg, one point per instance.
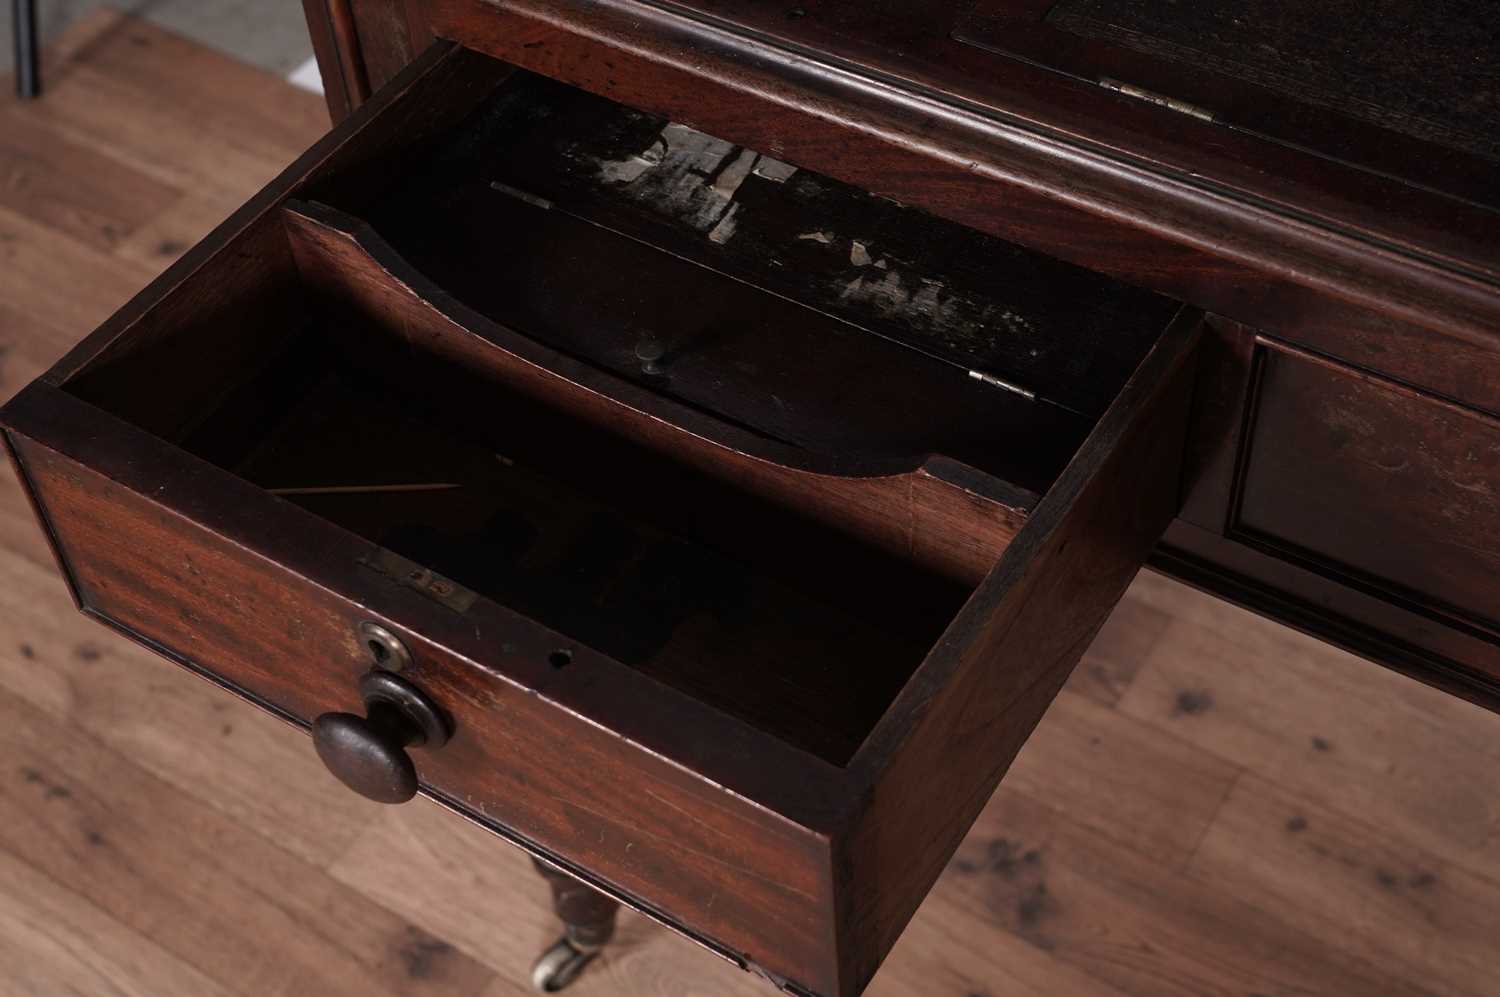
[[28, 62]]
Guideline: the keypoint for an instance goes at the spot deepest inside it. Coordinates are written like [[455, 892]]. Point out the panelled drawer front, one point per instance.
[[1383, 486], [1349, 504], [584, 795]]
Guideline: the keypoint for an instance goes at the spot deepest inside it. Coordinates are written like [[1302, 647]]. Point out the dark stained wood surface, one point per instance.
[[385, 39], [1374, 272], [798, 376], [332, 40], [1397, 567], [1010, 661], [265, 597], [1322, 78], [917, 42], [642, 720], [538, 155], [1075, 879], [707, 598], [1435, 85], [1338, 463], [291, 646], [1335, 261]]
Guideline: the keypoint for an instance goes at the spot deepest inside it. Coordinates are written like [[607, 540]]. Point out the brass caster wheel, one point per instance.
[[560, 965]]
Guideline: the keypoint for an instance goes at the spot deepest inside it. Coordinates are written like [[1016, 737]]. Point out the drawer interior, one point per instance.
[[737, 426], [613, 545], [780, 299]]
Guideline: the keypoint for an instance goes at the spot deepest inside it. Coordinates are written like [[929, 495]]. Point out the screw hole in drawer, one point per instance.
[[387, 653], [560, 658]]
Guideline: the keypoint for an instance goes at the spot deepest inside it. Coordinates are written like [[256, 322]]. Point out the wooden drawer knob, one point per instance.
[[368, 754]]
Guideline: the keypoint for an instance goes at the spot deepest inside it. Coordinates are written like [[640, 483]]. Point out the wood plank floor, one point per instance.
[[1215, 805]]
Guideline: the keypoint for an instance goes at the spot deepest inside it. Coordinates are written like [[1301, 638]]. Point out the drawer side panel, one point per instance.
[[945, 745]]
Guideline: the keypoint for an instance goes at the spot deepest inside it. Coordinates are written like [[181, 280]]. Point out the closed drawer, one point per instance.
[[1350, 504], [1373, 462], [739, 525]]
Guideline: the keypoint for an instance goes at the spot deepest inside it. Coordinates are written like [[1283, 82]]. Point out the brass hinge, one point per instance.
[[1171, 103], [1003, 385]]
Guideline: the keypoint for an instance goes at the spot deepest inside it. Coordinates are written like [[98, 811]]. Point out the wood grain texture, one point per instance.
[[1010, 654], [280, 620], [36, 278], [1340, 262], [1158, 796], [1340, 882], [738, 853], [291, 643], [541, 157], [1374, 460], [1286, 706], [1116, 921], [87, 682], [72, 188], [129, 869], [385, 42], [1142, 927], [329, 54], [54, 941], [1324, 79], [1383, 631], [444, 80], [132, 917], [1111, 919], [1345, 503]]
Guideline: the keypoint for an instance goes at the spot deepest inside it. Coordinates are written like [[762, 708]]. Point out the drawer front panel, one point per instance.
[[1383, 488], [748, 884]]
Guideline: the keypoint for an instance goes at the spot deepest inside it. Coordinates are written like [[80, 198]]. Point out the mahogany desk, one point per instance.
[[843, 362]]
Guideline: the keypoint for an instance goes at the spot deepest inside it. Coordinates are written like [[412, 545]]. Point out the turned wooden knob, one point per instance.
[[368, 753]]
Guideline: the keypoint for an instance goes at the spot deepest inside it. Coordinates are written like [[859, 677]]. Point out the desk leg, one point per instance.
[[23, 30], [588, 918]]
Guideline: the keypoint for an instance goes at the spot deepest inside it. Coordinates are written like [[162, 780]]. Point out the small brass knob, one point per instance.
[[368, 753]]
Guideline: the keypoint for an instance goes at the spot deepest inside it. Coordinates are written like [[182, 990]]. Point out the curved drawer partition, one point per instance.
[[938, 512]]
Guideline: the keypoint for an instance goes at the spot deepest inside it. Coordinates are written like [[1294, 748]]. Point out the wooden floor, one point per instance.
[[1215, 806]]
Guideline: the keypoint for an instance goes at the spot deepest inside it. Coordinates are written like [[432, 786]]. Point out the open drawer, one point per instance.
[[740, 525]]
